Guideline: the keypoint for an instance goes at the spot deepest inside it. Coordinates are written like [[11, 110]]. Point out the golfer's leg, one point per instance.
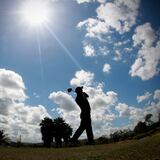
[[79, 131], [89, 132]]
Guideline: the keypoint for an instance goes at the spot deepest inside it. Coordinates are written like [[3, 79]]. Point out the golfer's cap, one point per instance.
[[78, 89]]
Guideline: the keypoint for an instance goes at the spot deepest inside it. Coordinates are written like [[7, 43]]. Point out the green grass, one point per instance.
[[144, 149]]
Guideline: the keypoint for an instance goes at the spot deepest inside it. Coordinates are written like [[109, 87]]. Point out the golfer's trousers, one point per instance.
[[84, 125]]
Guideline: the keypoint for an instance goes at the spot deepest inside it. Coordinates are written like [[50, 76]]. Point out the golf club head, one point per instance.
[[69, 90]]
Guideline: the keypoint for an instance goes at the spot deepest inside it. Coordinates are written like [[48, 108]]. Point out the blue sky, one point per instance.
[[112, 48]]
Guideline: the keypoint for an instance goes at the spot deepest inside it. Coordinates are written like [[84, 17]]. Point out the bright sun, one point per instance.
[[36, 12]]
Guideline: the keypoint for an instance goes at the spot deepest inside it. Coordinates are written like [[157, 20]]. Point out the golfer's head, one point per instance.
[[79, 90]]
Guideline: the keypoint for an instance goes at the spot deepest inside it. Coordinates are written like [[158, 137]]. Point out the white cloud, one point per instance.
[[5, 104], [118, 56], [144, 35], [88, 1], [128, 50], [83, 1], [104, 51], [94, 27], [16, 117], [101, 1], [157, 94], [63, 100], [106, 68], [67, 107], [146, 64], [36, 95], [143, 97], [131, 4], [89, 50], [123, 110], [120, 15], [11, 85], [24, 120], [154, 109], [134, 114], [121, 43], [82, 78]]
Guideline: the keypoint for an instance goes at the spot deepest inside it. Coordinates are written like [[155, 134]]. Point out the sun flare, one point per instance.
[[36, 12]]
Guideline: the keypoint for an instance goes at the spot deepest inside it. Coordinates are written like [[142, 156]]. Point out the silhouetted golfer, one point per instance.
[[85, 124]]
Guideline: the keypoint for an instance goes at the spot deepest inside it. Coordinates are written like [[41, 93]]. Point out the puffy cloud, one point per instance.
[[99, 99], [16, 117], [88, 1], [157, 94], [64, 100], [106, 68], [94, 27], [123, 109], [24, 120], [146, 64], [83, 1], [5, 104], [82, 78], [89, 50], [144, 35], [134, 114], [11, 85], [143, 97], [120, 15], [67, 107], [101, 1]]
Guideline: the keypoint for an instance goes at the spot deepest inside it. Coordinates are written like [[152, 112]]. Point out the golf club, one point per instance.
[[69, 90]]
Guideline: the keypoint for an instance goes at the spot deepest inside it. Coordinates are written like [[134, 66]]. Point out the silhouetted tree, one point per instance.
[[57, 128], [47, 127], [115, 136], [148, 120], [141, 127], [61, 131], [121, 135], [158, 122], [102, 140], [3, 137]]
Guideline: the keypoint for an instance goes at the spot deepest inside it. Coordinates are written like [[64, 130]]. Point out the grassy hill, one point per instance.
[[147, 148]]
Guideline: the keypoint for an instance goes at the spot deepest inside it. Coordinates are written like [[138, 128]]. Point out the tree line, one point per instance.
[[59, 131], [142, 129]]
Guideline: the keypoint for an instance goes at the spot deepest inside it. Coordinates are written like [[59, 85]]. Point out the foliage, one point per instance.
[[57, 129], [148, 120], [61, 130], [3, 137], [47, 131], [121, 135], [142, 129], [102, 140]]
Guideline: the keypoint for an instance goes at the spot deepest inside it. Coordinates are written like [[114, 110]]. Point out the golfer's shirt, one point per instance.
[[83, 103]]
